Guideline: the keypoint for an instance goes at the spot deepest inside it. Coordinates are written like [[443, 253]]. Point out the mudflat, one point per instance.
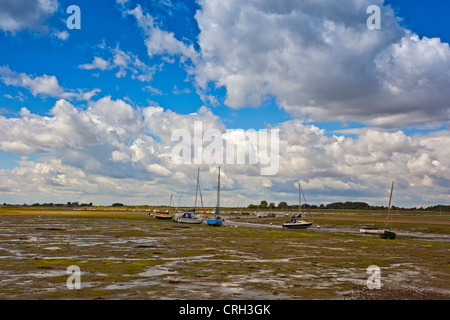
[[129, 255]]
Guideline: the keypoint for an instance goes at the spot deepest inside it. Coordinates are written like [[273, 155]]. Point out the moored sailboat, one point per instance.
[[165, 215], [387, 232], [217, 221], [373, 230], [294, 223], [189, 216]]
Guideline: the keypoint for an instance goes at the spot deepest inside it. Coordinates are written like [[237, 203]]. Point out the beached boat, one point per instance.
[[387, 232], [165, 215], [217, 221], [372, 230], [189, 216], [294, 223], [297, 224]]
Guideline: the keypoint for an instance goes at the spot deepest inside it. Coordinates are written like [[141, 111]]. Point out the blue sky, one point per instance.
[[103, 22], [192, 66]]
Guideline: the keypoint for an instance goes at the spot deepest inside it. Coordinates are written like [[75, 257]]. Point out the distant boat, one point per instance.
[[262, 214], [387, 232], [188, 216], [217, 221], [297, 224], [165, 215], [294, 223], [373, 230]]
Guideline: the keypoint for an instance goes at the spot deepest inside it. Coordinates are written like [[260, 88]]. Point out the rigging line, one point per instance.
[[201, 198], [389, 206], [218, 190], [309, 211], [196, 190]]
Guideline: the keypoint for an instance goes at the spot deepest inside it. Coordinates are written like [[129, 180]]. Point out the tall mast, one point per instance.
[[196, 190], [170, 202], [218, 193], [389, 206], [299, 197]]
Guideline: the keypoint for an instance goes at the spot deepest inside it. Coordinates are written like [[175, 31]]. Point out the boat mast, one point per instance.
[[299, 197], [196, 190], [170, 202], [389, 206], [218, 193]]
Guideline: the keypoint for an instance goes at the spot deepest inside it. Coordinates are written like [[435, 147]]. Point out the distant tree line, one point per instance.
[[265, 205], [341, 205], [55, 205]]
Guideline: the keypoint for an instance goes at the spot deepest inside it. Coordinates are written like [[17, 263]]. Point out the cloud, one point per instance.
[[177, 91], [161, 42], [320, 61], [123, 61], [61, 35], [112, 147], [17, 15], [45, 85], [97, 63], [162, 122], [317, 59], [153, 91]]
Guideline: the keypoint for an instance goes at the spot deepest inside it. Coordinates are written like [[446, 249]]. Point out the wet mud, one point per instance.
[[134, 256]]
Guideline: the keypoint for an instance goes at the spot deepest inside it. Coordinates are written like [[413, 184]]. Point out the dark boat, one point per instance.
[[297, 224], [387, 233]]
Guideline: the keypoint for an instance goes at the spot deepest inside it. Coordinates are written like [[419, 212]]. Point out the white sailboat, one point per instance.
[[189, 216], [295, 223]]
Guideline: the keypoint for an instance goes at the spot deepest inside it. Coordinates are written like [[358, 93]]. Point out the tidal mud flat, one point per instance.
[[129, 255]]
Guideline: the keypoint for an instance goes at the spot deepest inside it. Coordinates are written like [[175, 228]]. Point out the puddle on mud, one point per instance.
[[156, 271]]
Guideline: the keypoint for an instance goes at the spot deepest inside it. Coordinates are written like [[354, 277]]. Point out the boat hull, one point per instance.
[[371, 230], [297, 225], [189, 220], [214, 222], [164, 217], [387, 235]]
